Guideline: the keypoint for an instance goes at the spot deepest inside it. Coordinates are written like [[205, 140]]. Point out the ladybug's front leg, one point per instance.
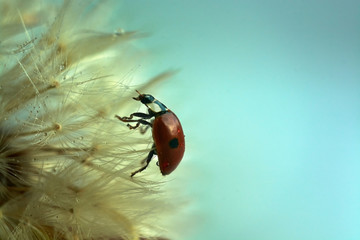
[[138, 121], [136, 114]]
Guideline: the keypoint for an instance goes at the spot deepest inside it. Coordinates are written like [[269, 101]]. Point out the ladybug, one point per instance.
[[167, 133]]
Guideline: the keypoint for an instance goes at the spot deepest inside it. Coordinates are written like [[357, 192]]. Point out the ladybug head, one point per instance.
[[144, 98]]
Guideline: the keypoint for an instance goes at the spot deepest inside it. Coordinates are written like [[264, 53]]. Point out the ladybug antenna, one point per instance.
[[138, 98]]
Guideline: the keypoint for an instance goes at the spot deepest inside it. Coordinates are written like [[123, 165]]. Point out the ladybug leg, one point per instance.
[[138, 121], [153, 149], [148, 159], [136, 114]]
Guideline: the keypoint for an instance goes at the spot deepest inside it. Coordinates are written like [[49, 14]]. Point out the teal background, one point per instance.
[[269, 98]]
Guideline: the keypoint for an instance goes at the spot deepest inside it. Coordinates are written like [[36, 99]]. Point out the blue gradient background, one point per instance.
[[269, 97]]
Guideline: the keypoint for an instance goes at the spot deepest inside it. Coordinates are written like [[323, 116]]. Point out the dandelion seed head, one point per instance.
[[65, 161]]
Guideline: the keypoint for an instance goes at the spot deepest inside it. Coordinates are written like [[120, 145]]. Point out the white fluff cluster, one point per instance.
[[65, 161]]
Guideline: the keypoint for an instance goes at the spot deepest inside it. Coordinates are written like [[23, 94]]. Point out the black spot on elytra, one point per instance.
[[174, 143]]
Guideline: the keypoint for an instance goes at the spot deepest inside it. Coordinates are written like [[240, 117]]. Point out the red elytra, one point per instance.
[[169, 141], [168, 135]]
